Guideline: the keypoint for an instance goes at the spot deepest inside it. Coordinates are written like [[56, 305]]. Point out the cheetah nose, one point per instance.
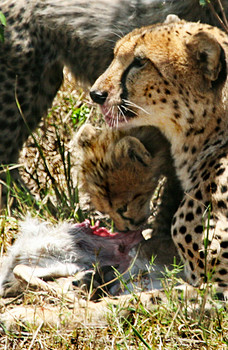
[[98, 96]]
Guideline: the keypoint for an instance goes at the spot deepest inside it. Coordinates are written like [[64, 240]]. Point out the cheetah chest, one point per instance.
[[200, 226]]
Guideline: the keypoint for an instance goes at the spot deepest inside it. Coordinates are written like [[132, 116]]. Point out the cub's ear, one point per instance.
[[210, 56], [130, 147], [86, 134]]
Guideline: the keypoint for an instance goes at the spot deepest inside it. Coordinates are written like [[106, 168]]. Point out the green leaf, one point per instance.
[[203, 2], [2, 25], [2, 19], [138, 334]]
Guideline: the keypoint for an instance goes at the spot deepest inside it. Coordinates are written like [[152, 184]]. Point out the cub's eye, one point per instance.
[[139, 62], [122, 210]]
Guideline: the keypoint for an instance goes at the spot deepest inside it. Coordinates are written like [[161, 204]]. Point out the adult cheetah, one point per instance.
[[41, 36], [174, 76]]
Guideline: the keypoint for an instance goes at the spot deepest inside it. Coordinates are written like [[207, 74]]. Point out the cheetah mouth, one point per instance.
[[117, 115]]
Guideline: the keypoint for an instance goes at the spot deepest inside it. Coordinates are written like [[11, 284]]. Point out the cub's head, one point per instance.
[[163, 75], [119, 173]]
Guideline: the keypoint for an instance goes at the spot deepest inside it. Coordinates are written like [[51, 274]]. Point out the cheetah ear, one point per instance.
[[130, 147], [85, 135], [210, 56]]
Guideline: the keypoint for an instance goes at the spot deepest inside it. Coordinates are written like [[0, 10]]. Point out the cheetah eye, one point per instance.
[[122, 210], [139, 62]]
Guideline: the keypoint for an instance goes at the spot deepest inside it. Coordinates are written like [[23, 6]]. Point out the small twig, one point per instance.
[[217, 16], [172, 322], [223, 13], [12, 167], [202, 306], [11, 301]]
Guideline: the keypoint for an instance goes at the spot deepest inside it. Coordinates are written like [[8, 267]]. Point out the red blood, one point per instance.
[[96, 229], [102, 231]]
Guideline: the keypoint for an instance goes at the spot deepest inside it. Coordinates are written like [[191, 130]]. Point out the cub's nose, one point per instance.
[[98, 96]]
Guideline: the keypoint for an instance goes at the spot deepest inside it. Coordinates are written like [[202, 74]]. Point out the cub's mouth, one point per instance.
[[114, 115]]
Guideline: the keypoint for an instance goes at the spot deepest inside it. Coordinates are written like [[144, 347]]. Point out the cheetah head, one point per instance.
[[163, 75], [119, 174]]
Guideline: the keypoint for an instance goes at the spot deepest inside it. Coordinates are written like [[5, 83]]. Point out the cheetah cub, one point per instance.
[[120, 172], [174, 76]]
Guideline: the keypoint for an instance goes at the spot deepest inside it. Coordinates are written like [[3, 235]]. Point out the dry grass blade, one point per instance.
[[223, 22]]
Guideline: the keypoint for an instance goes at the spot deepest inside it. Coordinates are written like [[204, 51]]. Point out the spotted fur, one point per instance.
[[174, 76], [43, 36]]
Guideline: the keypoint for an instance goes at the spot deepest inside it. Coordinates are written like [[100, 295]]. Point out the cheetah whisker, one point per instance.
[[122, 113], [113, 119], [128, 109], [132, 104], [110, 112], [119, 36], [116, 120]]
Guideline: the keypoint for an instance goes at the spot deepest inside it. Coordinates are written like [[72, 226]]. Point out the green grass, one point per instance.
[[2, 26], [171, 322]]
